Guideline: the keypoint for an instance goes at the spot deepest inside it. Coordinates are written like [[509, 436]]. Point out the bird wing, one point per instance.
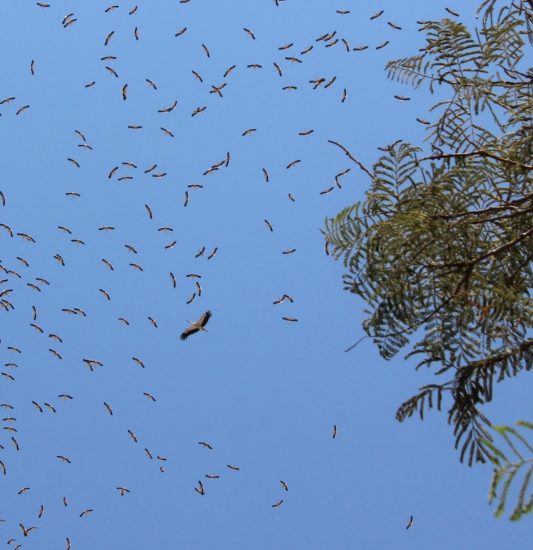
[[188, 331], [204, 318]]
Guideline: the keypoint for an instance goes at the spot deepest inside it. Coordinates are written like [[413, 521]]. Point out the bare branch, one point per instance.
[[352, 158]]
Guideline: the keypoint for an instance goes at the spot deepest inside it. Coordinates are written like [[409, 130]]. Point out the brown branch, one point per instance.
[[479, 153], [467, 371], [487, 254], [490, 210], [504, 216], [352, 158]]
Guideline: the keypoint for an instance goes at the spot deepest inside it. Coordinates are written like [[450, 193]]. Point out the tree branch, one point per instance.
[[489, 210], [479, 153], [352, 158], [466, 372], [487, 254]]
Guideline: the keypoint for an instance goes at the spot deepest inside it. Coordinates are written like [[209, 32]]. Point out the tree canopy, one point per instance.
[[441, 247]]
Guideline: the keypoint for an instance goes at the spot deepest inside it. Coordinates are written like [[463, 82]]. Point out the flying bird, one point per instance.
[[168, 109], [167, 132], [229, 70], [26, 530], [452, 12], [108, 38], [293, 163], [394, 26], [197, 326], [249, 33]]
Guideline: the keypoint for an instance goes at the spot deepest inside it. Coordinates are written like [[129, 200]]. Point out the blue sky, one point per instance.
[[264, 393]]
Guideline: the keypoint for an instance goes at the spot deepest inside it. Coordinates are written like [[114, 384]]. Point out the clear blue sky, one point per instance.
[[264, 393]]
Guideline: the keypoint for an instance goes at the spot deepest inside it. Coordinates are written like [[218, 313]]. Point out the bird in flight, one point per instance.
[[197, 326], [26, 530]]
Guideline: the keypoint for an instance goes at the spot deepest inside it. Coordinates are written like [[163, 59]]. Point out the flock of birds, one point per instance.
[[11, 276]]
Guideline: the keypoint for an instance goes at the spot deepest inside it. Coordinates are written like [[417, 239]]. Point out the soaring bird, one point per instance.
[[196, 327], [26, 530]]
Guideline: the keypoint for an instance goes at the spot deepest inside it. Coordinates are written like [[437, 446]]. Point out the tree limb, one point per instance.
[[487, 254], [479, 153], [352, 158]]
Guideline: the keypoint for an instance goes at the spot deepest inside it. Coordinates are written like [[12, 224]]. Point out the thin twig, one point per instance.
[[352, 158]]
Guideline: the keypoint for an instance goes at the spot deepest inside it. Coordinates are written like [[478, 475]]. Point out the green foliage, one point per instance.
[[441, 248], [506, 471]]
